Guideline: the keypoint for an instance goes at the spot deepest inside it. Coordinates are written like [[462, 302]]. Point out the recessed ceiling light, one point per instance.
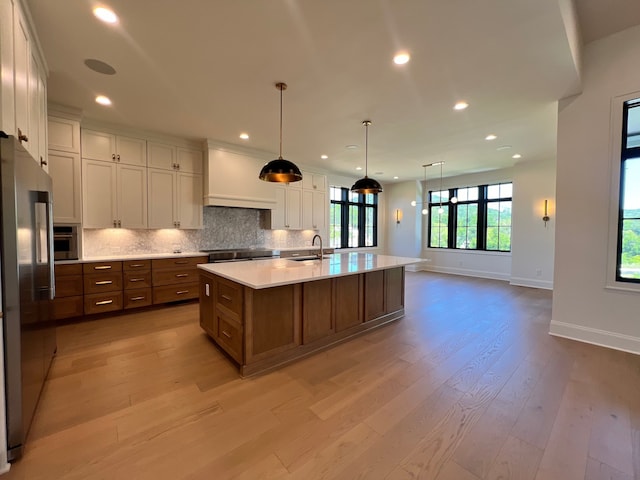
[[395, 178], [105, 14], [460, 106], [517, 155], [358, 168], [401, 58], [351, 147], [490, 137], [503, 147], [102, 100], [324, 157], [244, 136]]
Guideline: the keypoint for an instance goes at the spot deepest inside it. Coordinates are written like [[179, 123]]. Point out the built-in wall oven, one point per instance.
[[65, 242]]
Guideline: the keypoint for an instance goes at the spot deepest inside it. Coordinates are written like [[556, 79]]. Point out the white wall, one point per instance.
[[403, 239], [532, 241], [583, 308]]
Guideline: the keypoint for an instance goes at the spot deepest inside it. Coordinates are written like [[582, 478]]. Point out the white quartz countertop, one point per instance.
[[284, 271]]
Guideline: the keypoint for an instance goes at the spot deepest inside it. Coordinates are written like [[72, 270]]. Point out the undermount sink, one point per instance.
[[304, 259]]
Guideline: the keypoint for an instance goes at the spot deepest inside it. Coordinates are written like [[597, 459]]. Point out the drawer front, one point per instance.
[[175, 276], [136, 265], [229, 336], [67, 307], [173, 293], [103, 282], [101, 267], [68, 286], [137, 298], [180, 262], [98, 303], [140, 279], [229, 296], [68, 269]]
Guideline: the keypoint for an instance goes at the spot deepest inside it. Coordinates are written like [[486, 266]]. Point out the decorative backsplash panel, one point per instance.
[[224, 227]]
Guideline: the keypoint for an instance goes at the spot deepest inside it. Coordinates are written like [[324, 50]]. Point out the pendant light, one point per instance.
[[280, 170], [366, 185]]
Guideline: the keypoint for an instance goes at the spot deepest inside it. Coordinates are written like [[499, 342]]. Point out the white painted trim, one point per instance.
[[5, 468], [239, 201], [594, 336], [531, 282], [467, 272]]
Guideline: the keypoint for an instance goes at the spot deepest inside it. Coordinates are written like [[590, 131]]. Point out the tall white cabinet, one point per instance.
[[65, 168], [175, 187], [301, 205]]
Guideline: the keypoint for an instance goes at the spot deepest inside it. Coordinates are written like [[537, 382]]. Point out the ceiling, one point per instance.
[[206, 70]]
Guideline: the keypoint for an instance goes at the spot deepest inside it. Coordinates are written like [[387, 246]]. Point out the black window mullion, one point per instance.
[[482, 217], [453, 221]]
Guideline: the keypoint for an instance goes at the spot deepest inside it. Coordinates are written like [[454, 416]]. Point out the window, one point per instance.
[[353, 219], [628, 252], [479, 220]]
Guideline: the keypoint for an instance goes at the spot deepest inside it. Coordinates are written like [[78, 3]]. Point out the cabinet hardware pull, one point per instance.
[[115, 224], [181, 262], [102, 267], [22, 137], [42, 162], [182, 292], [113, 156], [182, 275], [119, 224], [136, 279], [135, 299], [226, 297], [136, 265], [226, 334], [118, 157], [104, 282], [104, 302]]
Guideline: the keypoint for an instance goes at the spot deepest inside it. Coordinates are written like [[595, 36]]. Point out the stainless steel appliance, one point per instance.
[[65, 242], [28, 286], [240, 254]]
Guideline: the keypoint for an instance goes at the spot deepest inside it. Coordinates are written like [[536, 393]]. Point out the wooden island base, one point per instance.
[[261, 329]]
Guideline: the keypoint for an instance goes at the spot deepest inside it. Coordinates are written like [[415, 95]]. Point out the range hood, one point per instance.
[[231, 177]]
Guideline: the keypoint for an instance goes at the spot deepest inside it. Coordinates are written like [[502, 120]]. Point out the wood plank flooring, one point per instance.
[[467, 386]]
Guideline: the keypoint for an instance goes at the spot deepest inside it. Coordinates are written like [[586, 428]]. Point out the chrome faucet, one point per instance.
[[313, 242]]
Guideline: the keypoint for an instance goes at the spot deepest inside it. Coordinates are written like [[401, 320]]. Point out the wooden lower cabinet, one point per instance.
[[139, 297], [175, 293], [102, 302], [69, 300], [264, 328], [175, 279]]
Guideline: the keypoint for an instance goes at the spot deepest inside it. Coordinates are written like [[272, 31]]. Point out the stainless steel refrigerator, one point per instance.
[[28, 286]]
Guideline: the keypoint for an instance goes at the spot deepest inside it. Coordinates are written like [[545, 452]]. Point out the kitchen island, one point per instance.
[[266, 313]]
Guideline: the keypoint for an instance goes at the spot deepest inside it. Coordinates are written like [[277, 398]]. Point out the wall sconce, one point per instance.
[[398, 215], [546, 217]]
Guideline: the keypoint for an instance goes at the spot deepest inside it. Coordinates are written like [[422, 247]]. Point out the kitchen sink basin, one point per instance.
[[304, 259]]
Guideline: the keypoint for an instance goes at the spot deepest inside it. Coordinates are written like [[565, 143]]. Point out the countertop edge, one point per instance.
[[142, 256]]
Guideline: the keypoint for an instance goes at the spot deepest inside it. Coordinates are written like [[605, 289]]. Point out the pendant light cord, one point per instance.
[[281, 86], [441, 186], [366, 124]]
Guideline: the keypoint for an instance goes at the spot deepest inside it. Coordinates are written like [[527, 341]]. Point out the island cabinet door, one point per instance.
[[272, 321], [347, 298], [394, 289], [317, 314], [374, 297]]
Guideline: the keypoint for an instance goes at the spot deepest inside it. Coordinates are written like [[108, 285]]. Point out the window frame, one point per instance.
[[481, 227], [362, 205]]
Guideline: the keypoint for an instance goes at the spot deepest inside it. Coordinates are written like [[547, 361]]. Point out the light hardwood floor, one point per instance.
[[467, 386]]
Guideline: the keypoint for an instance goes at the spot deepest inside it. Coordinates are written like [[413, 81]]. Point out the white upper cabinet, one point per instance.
[[175, 199], [314, 181], [22, 60], [7, 89], [287, 213], [169, 157], [113, 148], [64, 135], [64, 169], [315, 210]]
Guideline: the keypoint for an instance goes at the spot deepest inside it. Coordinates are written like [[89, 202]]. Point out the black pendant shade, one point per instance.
[[280, 170], [366, 185]]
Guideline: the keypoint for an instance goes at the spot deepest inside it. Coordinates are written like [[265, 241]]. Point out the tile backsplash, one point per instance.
[[224, 227]]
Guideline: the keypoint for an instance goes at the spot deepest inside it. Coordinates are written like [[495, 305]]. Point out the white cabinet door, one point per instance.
[[307, 209], [64, 134], [33, 133], [131, 151], [278, 213], [294, 208], [132, 196], [21, 73], [7, 90], [99, 199], [190, 161], [189, 202], [162, 194], [64, 168], [98, 146], [42, 121], [320, 211], [314, 181], [160, 155]]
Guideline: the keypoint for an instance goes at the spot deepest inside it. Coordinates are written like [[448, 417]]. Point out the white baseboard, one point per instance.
[[531, 282], [467, 272], [595, 336], [5, 468]]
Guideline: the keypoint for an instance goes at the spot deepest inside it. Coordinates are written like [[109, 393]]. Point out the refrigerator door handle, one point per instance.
[[52, 277]]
